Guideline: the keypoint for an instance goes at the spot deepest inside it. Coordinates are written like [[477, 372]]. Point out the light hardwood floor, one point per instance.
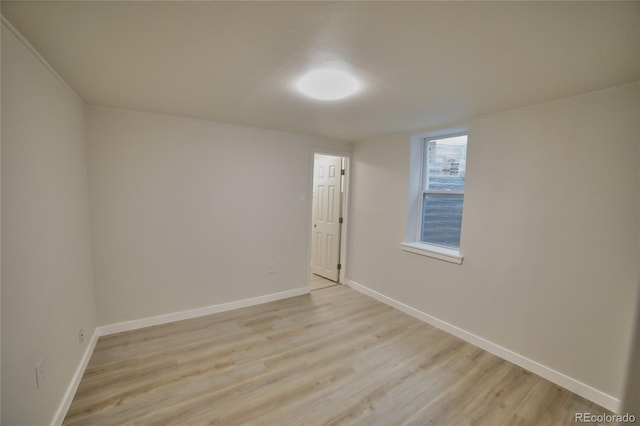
[[328, 358], [318, 283]]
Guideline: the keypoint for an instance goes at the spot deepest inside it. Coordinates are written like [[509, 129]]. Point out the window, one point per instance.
[[436, 188], [443, 170]]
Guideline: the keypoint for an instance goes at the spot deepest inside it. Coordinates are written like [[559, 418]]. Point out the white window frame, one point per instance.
[[413, 243]]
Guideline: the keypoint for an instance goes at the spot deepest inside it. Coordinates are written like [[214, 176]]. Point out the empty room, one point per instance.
[[320, 213]]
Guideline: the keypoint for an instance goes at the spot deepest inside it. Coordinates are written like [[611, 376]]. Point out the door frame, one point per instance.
[[345, 210]]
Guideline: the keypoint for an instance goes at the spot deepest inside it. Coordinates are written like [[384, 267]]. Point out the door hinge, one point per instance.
[[341, 220], [342, 172], [339, 266]]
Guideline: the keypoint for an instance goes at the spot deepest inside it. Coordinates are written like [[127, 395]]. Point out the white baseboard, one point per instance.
[[61, 412], [198, 312], [603, 399]]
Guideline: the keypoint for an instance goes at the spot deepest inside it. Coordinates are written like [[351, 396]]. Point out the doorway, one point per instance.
[[327, 219]]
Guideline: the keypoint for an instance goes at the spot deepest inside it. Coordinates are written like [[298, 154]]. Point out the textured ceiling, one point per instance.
[[423, 63]]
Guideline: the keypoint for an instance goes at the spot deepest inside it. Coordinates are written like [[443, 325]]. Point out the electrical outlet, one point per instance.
[[40, 373], [271, 268], [81, 336]]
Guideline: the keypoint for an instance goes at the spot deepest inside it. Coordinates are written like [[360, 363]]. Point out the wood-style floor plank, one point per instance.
[[318, 283], [334, 357]]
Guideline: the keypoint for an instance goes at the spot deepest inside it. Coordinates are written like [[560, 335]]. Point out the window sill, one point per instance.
[[440, 253]]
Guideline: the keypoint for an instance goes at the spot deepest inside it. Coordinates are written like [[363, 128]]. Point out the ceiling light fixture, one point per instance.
[[328, 84]]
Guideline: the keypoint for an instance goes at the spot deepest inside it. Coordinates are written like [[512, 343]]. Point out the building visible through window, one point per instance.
[[443, 177]]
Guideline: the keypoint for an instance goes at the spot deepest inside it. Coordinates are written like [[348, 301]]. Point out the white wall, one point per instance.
[[47, 284], [188, 213], [632, 392], [549, 233]]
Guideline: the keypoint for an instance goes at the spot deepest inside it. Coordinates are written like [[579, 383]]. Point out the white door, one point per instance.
[[327, 196]]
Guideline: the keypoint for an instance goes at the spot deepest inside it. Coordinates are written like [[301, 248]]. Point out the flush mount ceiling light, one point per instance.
[[328, 85]]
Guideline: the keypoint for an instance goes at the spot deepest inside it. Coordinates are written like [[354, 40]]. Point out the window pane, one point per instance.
[[442, 219], [446, 163]]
